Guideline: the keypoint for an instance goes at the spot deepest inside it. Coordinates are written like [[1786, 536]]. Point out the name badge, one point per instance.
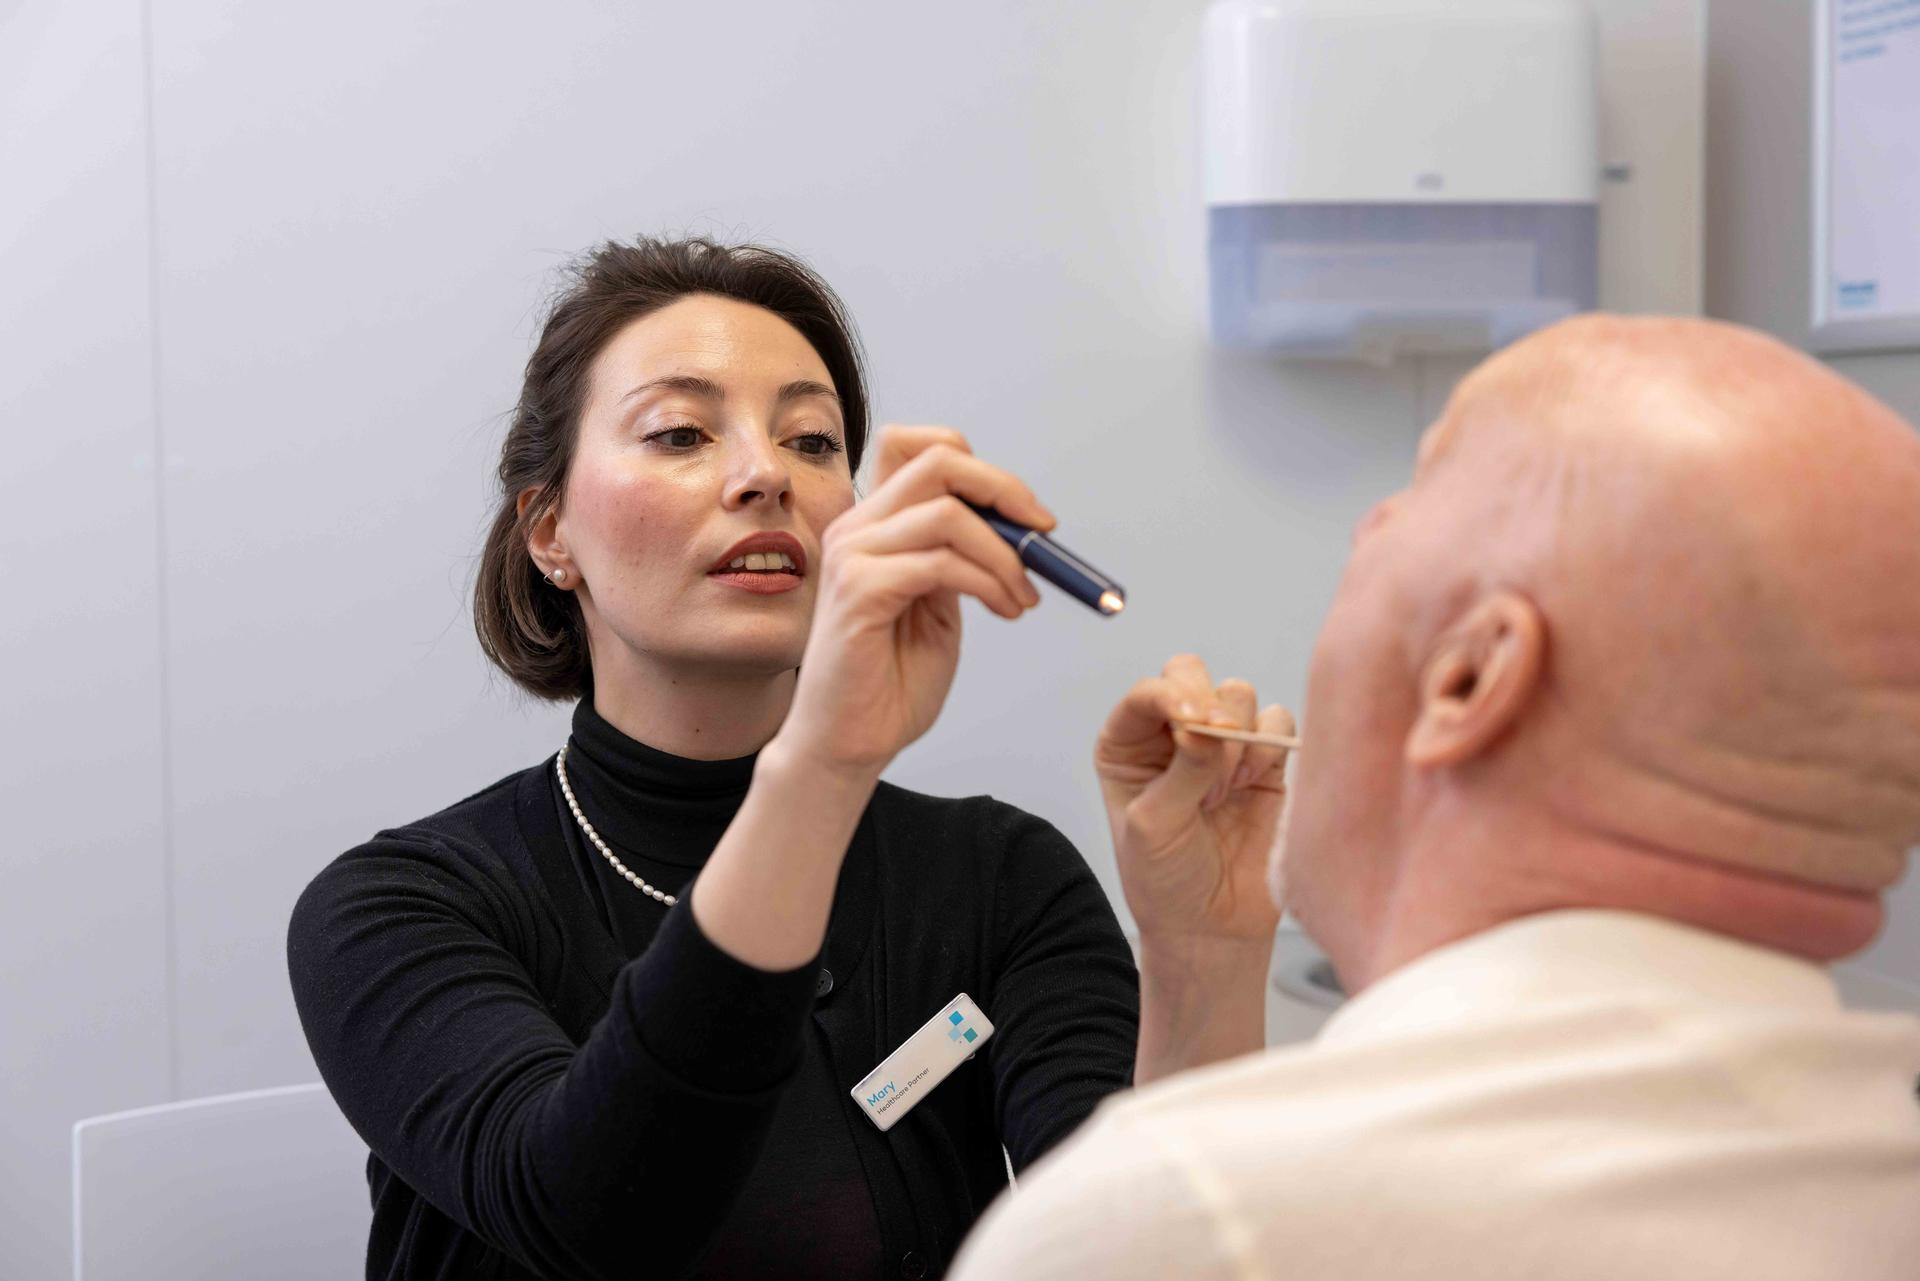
[[923, 1060]]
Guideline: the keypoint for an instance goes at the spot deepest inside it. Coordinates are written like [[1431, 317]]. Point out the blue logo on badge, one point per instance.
[[960, 1031]]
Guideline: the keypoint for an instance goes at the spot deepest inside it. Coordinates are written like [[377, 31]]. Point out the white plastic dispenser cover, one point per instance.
[[1392, 177]]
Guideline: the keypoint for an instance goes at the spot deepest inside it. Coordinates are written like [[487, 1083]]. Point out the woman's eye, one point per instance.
[[818, 444], [676, 437]]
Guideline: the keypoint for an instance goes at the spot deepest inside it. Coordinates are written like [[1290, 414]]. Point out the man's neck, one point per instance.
[[1448, 890]]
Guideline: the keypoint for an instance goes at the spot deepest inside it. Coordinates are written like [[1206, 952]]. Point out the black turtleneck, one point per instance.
[[662, 814], [805, 1210], [558, 1077]]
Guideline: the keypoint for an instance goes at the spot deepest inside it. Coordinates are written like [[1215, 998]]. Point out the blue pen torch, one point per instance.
[[1057, 565]]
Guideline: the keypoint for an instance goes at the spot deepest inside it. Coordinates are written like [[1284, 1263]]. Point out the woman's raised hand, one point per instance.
[[1193, 818], [885, 639]]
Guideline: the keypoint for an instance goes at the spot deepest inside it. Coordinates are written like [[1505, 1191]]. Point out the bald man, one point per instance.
[[1612, 742]]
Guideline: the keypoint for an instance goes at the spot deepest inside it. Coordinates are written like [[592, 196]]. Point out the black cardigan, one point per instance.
[[536, 1105]]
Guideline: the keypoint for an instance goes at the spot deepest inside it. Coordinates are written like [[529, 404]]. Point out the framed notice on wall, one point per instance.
[[1866, 175]]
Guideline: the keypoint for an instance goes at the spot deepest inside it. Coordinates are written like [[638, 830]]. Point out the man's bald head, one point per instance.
[[1650, 610]]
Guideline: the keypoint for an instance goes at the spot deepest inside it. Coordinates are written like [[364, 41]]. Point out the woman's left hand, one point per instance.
[[1193, 818]]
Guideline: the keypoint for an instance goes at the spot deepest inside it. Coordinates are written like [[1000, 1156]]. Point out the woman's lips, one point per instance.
[[761, 582]]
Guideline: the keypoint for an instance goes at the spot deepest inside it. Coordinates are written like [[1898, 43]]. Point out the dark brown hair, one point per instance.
[[533, 632]]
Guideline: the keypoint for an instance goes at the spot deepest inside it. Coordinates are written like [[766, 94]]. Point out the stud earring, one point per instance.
[[557, 576]]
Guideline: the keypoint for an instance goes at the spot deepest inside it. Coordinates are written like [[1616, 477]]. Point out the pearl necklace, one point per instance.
[[633, 877]]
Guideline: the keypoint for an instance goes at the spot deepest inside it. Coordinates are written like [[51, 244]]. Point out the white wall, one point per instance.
[[244, 503], [84, 945]]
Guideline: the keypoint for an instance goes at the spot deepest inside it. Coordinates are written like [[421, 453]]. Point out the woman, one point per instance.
[[602, 1018]]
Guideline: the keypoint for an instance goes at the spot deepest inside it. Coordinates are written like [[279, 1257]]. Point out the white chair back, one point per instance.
[[270, 1183]]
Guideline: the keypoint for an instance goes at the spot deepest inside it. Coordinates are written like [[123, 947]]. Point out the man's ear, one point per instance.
[[1478, 681]]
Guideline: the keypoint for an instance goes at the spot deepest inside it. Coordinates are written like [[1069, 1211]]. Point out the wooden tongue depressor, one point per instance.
[[1239, 735]]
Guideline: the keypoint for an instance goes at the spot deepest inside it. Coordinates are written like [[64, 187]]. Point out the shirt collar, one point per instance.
[[1577, 957]]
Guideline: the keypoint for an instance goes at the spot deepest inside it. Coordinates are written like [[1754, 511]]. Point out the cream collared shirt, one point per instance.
[[1578, 1096]]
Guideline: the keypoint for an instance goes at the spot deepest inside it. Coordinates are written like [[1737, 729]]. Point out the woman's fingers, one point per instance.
[[1263, 764], [1178, 772], [1203, 703], [897, 445], [1189, 674], [1209, 769], [935, 461], [1235, 707], [943, 522], [1141, 717], [927, 476], [1136, 739], [904, 577]]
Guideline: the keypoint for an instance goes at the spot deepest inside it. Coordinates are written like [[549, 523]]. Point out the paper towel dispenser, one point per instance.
[[1388, 177]]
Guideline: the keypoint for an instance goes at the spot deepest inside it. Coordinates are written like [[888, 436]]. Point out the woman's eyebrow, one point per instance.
[[803, 388], [695, 385], [692, 384]]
